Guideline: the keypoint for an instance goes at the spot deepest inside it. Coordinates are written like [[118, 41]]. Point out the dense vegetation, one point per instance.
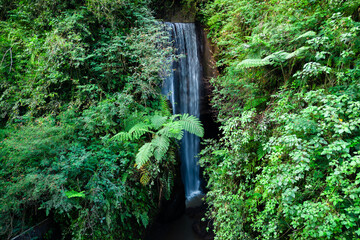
[[288, 98], [87, 139], [85, 135]]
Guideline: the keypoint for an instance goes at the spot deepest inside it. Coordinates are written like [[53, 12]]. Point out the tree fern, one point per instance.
[[172, 130], [191, 124], [280, 56], [307, 34], [161, 145], [157, 121], [145, 177], [163, 129], [138, 130], [297, 53], [134, 133], [144, 154], [133, 119], [248, 63], [157, 148]]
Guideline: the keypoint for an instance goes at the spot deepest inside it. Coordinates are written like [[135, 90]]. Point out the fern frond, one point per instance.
[[145, 178], [172, 130], [191, 124], [121, 136], [301, 51], [164, 106], [280, 56], [170, 184], [297, 52], [171, 155], [72, 194], [133, 119], [135, 133], [138, 130], [161, 144], [157, 121], [165, 131], [167, 182], [248, 63], [305, 35], [144, 154]]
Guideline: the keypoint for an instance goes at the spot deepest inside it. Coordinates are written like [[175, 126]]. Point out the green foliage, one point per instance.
[[163, 130], [286, 164], [191, 124], [62, 166], [73, 75], [305, 174], [277, 57], [72, 193], [76, 52]]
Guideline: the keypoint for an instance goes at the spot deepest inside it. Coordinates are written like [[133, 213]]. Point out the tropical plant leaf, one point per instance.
[[305, 35], [297, 53], [157, 121], [72, 194], [280, 56], [172, 130], [161, 144], [145, 178], [191, 124], [260, 152], [248, 63], [134, 133], [164, 106], [144, 154]]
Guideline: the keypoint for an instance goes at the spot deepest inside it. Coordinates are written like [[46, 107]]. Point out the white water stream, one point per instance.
[[183, 90]]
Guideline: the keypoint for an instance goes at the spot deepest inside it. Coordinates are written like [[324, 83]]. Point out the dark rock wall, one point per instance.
[[174, 11]]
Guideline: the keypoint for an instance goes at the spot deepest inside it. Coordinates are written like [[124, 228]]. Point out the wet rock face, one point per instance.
[[201, 229], [204, 229], [207, 113], [175, 11], [175, 207], [188, 227]]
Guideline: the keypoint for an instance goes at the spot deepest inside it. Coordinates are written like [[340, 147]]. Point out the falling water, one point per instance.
[[183, 90]]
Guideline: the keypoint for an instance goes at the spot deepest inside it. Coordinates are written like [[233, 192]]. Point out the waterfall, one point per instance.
[[183, 90]]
